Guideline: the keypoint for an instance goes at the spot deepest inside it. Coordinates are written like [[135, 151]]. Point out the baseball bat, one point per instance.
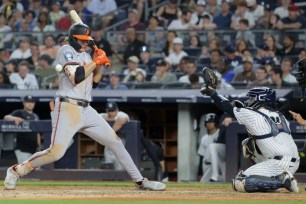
[[76, 18]]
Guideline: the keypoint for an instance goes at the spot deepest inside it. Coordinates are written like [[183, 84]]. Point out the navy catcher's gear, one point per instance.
[[78, 31], [260, 95]]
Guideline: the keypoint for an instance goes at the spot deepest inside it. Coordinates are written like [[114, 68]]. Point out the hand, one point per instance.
[[100, 58], [207, 90], [18, 120], [227, 121], [298, 118]]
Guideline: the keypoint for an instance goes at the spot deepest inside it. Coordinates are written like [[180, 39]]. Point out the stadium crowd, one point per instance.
[[157, 44]]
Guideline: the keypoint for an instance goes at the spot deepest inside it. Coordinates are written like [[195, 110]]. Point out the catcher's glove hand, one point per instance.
[[211, 81]]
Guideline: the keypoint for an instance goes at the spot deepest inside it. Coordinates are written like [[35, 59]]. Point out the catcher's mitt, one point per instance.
[[210, 77], [211, 81]]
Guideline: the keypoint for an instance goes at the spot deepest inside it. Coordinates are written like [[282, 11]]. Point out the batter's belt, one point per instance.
[[75, 102]]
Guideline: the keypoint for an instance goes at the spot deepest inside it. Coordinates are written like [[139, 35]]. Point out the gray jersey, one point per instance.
[[256, 124], [82, 91]]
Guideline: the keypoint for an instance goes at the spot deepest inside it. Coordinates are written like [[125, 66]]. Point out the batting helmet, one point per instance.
[[211, 117], [78, 31], [260, 95]]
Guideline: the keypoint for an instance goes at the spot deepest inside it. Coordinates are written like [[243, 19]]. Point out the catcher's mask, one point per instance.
[[258, 96], [78, 31], [299, 71]]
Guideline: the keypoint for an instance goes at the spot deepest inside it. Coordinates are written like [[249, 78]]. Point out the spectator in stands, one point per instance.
[[223, 69], [28, 22], [36, 6], [222, 84], [288, 47], [163, 74], [244, 32], [270, 42], [11, 66], [178, 52], [4, 80], [146, 59], [49, 47], [23, 51], [215, 58], [213, 43], [213, 7], [86, 15], [139, 77], [230, 55], [8, 8], [44, 23], [45, 70], [247, 75], [191, 68], [276, 78], [293, 21], [242, 13], [118, 118], [194, 41], [130, 72], [211, 123], [302, 54], [283, 10], [134, 45], [23, 79], [133, 21], [106, 10], [35, 54], [4, 55], [168, 48], [260, 78], [224, 19], [115, 83], [182, 23], [64, 23], [56, 13], [155, 34], [274, 21], [208, 24], [286, 66], [182, 66], [255, 9], [101, 41], [241, 45], [26, 143], [169, 12], [261, 54], [5, 32], [194, 81], [198, 14]]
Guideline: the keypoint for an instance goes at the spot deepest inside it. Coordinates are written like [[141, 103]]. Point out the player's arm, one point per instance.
[[78, 73], [16, 119], [223, 104], [119, 123]]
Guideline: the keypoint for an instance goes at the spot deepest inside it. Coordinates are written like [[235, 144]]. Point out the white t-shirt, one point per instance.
[[185, 79], [282, 12], [176, 58], [206, 141], [18, 54], [29, 82], [119, 115], [179, 25], [102, 7]]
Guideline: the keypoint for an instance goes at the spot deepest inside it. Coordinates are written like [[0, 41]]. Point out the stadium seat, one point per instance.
[[193, 52]]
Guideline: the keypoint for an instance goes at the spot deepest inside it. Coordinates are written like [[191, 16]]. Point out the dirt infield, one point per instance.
[[130, 194]]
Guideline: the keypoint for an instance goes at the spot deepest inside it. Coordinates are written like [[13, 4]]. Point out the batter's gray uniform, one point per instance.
[[77, 115], [108, 154]]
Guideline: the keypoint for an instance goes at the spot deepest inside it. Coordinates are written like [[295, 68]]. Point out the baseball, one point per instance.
[[58, 67]]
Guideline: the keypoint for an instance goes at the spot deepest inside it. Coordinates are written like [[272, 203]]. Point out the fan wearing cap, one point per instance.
[[118, 118], [178, 52], [163, 73], [247, 75], [27, 143], [293, 21], [146, 59], [198, 14], [256, 9], [211, 123], [132, 69]]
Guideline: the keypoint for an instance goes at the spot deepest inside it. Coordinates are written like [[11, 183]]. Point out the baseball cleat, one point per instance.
[[151, 185], [290, 182], [11, 178]]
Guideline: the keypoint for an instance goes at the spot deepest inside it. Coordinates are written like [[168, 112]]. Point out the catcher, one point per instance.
[[270, 143]]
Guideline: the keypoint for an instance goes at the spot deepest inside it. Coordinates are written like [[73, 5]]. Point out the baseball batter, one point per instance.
[[72, 111], [270, 144]]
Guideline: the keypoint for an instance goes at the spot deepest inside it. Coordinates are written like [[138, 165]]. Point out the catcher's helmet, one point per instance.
[[260, 95], [78, 31]]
